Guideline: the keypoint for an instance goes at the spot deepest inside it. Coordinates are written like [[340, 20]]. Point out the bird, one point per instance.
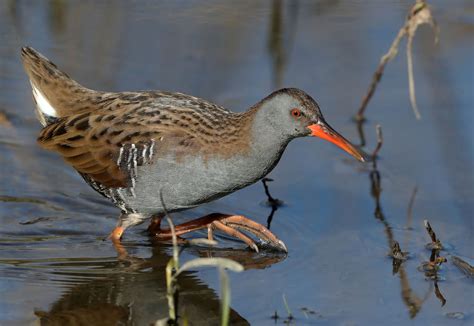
[[156, 152]]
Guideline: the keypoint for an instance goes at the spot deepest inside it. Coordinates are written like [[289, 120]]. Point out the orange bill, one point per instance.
[[324, 131]]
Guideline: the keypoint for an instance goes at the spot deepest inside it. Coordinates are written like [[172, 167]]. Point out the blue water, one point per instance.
[[234, 53]]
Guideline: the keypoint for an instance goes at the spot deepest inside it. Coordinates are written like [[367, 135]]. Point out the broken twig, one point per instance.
[[398, 256], [419, 14], [435, 242]]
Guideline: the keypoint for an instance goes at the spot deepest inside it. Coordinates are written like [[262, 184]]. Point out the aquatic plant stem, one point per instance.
[[225, 294]]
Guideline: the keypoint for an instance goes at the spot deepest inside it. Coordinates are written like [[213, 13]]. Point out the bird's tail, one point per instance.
[[56, 95]]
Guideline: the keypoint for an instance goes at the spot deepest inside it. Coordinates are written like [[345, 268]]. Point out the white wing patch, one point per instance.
[[42, 103], [130, 157]]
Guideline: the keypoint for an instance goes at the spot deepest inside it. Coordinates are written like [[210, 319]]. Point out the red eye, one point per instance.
[[296, 113]]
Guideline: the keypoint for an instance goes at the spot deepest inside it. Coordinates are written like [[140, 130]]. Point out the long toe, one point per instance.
[[231, 225], [236, 234], [257, 229]]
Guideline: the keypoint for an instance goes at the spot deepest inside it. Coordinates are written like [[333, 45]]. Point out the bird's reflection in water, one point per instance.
[[132, 291]]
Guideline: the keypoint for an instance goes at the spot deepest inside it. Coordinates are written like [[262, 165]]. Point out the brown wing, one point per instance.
[[65, 95], [107, 146]]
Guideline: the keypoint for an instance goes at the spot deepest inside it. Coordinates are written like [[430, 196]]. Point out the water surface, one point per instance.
[[54, 265]]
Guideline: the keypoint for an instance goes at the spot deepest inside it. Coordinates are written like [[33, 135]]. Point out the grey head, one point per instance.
[[290, 113]]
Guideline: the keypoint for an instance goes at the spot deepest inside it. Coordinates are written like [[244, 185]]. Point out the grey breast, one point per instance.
[[193, 179]]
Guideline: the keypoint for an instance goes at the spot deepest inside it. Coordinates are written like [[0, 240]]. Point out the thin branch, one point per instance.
[[360, 132], [375, 175], [420, 14], [378, 129], [391, 53]]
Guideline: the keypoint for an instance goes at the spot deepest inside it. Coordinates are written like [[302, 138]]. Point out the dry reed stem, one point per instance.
[[419, 14]]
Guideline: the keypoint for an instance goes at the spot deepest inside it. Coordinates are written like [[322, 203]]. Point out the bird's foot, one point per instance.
[[115, 237], [229, 224], [116, 234]]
